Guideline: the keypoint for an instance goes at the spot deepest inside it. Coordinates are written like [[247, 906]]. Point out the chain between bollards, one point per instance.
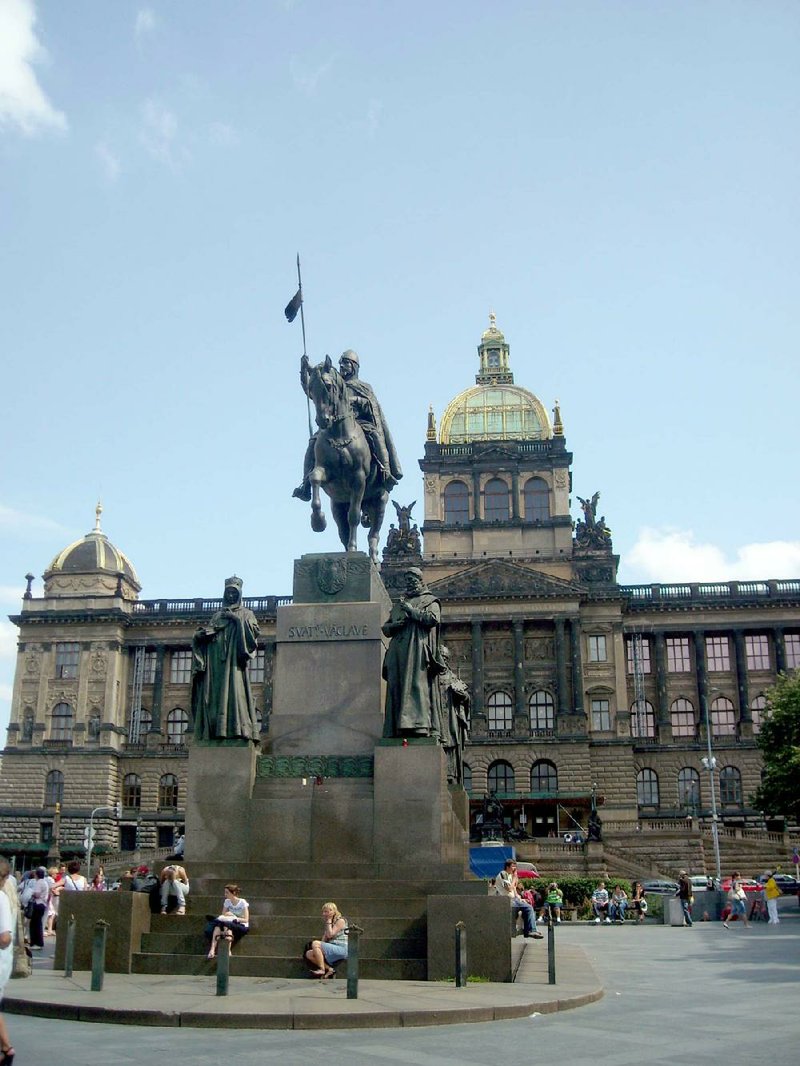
[[353, 934], [99, 954], [224, 963], [69, 947], [551, 950], [461, 955]]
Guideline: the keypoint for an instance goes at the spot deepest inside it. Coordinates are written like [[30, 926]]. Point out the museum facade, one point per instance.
[[584, 691]]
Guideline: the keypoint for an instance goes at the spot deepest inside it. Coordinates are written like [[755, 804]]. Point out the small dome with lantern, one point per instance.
[[494, 408], [92, 566]]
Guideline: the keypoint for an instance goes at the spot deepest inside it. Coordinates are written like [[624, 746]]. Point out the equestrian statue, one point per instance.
[[351, 456]]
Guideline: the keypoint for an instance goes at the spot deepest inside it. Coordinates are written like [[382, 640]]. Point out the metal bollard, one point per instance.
[[223, 965], [99, 954], [353, 934], [551, 951], [461, 955], [69, 946]]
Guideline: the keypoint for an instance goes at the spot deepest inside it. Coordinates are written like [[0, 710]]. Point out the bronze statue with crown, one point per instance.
[[222, 701]]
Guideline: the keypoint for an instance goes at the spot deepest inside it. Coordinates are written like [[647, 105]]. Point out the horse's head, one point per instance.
[[328, 391]]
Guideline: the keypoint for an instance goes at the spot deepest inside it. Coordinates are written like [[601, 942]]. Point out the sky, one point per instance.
[[616, 179]]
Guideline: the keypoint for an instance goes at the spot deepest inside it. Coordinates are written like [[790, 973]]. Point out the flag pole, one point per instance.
[[303, 325]]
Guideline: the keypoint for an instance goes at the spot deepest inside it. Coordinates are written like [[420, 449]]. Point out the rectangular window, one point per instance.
[[256, 667], [792, 641], [597, 649], [718, 654], [67, 656], [637, 650], [166, 836], [601, 716], [757, 648], [180, 672], [679, 660], [149, 677]]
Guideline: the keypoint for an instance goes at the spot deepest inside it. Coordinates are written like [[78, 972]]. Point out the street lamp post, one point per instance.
[[710, 763]]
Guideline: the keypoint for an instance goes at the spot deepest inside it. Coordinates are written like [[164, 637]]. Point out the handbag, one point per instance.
[[28, 910]]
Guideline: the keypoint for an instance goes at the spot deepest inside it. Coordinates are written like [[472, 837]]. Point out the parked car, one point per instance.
[[700, 882], [660, 888], [748, 884], [526, 870], [785, 882]]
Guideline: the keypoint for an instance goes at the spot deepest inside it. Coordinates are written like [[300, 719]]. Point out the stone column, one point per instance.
[[741, 676], [562, 704], [577, 666], [515, 508], [662, 704], [476, 496], [702, 677], [520, 706], [780, 649], [158, 690], [477, 668]]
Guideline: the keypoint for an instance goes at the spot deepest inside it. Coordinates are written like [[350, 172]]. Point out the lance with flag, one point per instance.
[[291, 309]]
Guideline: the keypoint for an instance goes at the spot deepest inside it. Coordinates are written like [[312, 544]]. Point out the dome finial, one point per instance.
[[492, 320], [97, 512]]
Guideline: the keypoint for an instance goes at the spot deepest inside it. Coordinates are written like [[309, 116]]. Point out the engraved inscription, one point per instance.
[[322, 631]]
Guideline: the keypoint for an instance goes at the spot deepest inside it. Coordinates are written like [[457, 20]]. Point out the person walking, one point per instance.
[[736, 899], [684, 894]]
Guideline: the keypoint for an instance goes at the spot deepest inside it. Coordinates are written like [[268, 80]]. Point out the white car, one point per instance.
[[699, 882]]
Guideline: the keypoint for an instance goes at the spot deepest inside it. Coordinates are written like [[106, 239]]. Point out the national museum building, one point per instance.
[[582, 689]]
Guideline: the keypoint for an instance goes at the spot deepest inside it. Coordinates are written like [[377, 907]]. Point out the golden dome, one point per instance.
[[92, 560]]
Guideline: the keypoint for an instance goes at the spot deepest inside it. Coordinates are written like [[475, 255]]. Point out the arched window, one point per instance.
[[456, 503], [61, 722], [643, 719], [145, 721], [730, 786], [495, 500], [758, 711], [132, 791], [168, 792], [542, 709], [53, 788], [177, 724], [467, 777], [537, 500], [682, 717], [647, 788], [500, 777], [500, 707], [688, 788], [544, 777], [723, 717]]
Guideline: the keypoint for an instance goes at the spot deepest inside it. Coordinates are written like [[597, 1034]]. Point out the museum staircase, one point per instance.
[[285, 911]]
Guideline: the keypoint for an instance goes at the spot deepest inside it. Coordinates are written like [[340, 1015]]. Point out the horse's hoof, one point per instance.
[[318, 522]]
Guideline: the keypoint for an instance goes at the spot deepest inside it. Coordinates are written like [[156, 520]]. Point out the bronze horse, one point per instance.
[[343, 464]]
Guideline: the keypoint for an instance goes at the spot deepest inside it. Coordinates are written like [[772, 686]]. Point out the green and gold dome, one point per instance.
[[494, 408]]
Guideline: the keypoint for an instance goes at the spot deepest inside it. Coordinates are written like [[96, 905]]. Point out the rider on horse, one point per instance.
[[370, 417]]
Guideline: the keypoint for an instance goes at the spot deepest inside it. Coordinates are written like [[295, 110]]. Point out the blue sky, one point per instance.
[[616, 180]]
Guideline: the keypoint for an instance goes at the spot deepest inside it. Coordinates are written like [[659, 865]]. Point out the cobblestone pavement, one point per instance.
[[700, 996]]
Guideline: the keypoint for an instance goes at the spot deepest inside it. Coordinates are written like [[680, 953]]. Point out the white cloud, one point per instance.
[[11, 594], [308, 80], [160, 130], [23, 103], [108, 160], [12, 521], [8, 640], [663, 555], [222, 135], [146, 22], [6, 692]]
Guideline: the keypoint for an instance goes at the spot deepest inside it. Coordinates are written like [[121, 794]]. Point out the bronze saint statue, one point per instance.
[[222, 703], [352, 456], [412, 663], [455, 718]]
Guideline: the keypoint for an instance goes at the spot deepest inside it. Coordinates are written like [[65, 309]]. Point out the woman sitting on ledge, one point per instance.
[[322, 954], [174, 884], [232, 924]]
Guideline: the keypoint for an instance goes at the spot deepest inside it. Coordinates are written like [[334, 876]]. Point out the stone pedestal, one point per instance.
[[219, 791]]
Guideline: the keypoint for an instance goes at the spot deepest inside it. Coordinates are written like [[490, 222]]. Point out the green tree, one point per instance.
[[779, 740]]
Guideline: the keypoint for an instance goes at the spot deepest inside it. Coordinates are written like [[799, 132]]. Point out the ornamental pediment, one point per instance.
[[498, 579]]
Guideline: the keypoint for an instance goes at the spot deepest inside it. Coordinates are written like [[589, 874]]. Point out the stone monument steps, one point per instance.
[[284, 945], [323, 888], [305, 869], [363, 903], [388, 969], [300, 926]]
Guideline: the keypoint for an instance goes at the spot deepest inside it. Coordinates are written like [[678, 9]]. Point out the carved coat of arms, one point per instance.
[[331, 575]]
